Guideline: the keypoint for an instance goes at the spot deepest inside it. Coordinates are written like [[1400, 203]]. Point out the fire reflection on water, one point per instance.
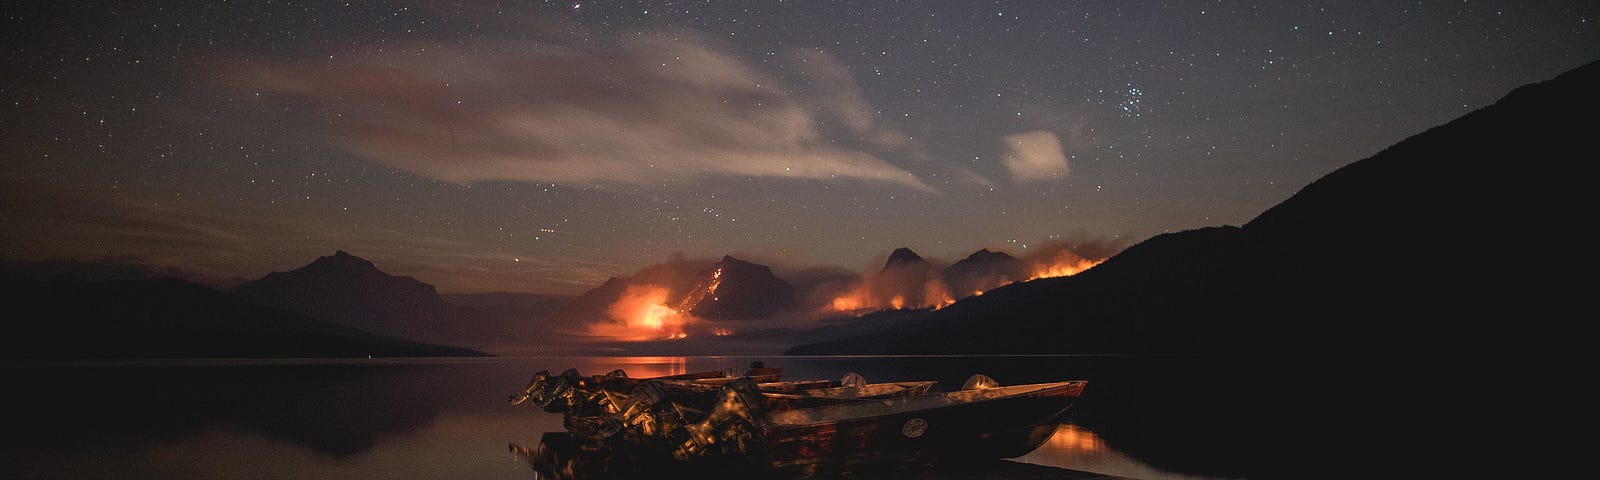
[[1079, 448], [1071, 437], [645, 367]]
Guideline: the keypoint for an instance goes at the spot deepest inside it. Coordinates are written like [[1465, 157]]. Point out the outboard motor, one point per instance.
[[562, 395], [535, 389], [731, 425], [853, 380]]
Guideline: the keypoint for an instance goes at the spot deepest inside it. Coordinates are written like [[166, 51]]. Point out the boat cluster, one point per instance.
[[793, 428], [715, 413]]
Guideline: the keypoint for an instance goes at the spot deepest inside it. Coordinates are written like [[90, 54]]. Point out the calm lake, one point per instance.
[[450, 419]]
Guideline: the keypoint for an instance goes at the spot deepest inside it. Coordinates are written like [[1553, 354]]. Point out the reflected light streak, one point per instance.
[[645, 367], [1073, 437]]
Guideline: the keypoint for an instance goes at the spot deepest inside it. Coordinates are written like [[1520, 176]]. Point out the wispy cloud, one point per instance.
[[1034, 156], [640, 111], [837, 96]]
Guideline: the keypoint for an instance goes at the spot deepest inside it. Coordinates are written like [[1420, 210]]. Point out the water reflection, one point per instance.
[[558, 457], [1081, 448], [449, 419], [332, 409]]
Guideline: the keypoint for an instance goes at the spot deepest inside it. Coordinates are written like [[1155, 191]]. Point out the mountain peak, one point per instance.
[[734, 289], [902, 256], [986, 254], [352, 291], [342, 257]]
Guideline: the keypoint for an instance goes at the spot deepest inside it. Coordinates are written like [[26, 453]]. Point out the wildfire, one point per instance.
[[885, 293], [642, 314], [866, 296], [716, 281], [850, 303], [702, 292], [1064, 263], [937, 294]]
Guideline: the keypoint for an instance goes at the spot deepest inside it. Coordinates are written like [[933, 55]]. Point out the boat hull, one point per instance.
[[916, 432]]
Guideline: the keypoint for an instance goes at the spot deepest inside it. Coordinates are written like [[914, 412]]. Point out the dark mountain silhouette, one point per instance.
[[984, 270], [902, 257], [733, 289], [729, 289], [118, 267], [1383, 252], [1352, 313], [592, 303], [349, 290], [172, 318]]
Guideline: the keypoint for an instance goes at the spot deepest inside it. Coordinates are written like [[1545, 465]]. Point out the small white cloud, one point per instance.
[[1034, 156]]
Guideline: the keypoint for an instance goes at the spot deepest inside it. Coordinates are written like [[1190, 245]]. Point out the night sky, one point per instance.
[[543, 147]]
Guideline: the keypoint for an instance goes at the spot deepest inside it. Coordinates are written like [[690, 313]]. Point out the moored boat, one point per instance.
[[964, 425]]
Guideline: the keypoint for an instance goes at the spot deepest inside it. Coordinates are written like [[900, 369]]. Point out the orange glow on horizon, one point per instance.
[[862, 298], [1064, 263], [642, 314], [850, 302], [873, 295], [937, 294]]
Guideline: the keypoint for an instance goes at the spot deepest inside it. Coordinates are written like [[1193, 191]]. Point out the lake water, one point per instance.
[[450, 419]]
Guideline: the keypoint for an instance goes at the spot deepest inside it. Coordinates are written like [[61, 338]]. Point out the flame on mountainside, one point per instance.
[[889, 292], [641, 314], [661, 302], [880, 294], [701, 292], [1064, 263]]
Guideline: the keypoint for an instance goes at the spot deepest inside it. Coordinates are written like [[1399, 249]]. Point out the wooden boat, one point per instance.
[[965, 425]]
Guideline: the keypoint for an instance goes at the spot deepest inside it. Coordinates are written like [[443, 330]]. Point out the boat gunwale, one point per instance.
[[872, 408], [868, 391]]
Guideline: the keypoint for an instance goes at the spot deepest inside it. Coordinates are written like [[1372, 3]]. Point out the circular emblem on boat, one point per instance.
[[914, 428]]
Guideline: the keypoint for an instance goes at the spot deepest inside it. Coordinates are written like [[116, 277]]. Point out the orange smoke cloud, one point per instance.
[[640, 314]]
